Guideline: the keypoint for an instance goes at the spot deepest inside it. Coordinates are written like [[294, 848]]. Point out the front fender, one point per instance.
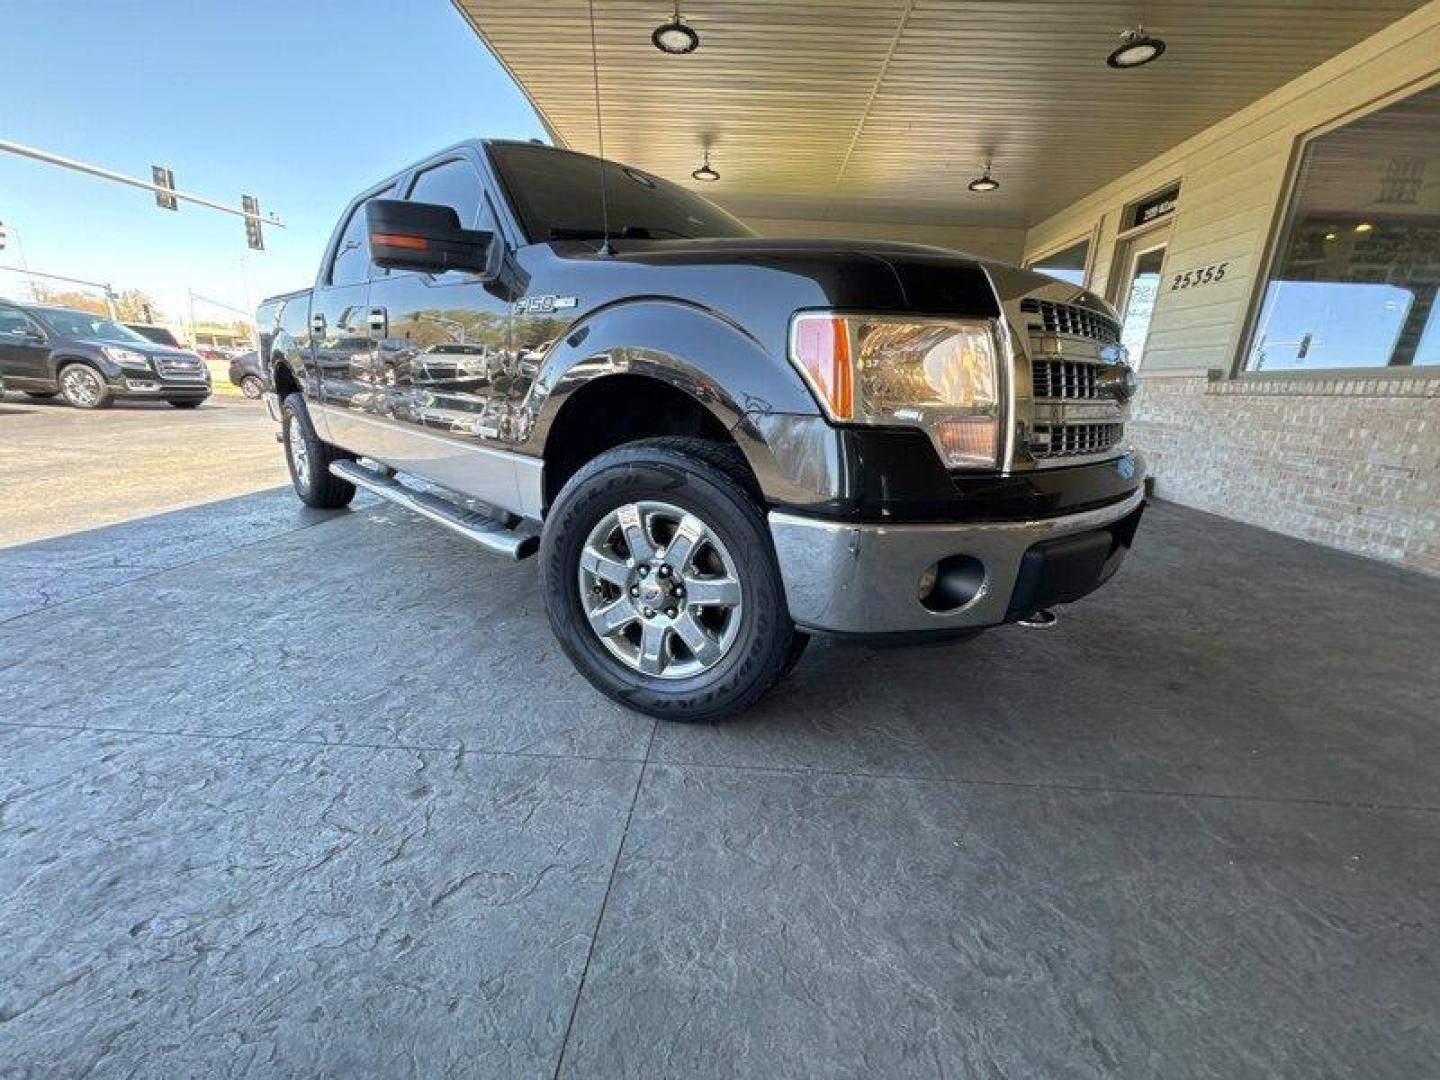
[[689, 347]]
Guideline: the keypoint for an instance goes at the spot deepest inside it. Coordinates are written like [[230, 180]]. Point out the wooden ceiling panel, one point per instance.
[[815, 108]]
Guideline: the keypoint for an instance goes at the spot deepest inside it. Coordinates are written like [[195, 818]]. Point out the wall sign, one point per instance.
[[1205, 275], [1154, 208]]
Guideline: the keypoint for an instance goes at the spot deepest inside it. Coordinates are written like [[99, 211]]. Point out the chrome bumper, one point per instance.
[[864, 579]]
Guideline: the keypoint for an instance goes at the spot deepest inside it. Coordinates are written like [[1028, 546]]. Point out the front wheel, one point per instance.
[[309, 459], [83, 387], [661, 582]]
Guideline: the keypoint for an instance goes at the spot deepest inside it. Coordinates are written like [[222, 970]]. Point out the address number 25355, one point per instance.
[[1206, 275]]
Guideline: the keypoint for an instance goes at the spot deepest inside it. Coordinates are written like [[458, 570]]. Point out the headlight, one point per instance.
[[127, 357], [939, 375]]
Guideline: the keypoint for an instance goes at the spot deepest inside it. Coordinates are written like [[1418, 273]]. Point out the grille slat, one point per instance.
[[1073, 440], [1072, 321]]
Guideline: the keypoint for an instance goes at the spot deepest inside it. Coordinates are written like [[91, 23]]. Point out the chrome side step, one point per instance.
[[492, 535]]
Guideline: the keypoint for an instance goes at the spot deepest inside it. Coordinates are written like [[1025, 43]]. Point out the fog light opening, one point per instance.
[[951, 583]]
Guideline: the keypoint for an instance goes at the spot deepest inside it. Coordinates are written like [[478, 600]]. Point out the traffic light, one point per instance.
[[254, 238], [163, 177], [4, 235]]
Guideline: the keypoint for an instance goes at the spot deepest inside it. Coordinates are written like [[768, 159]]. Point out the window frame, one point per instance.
[[1270, 254]]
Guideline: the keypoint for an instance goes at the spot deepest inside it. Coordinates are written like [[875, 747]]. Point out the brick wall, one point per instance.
[[1350, 462]]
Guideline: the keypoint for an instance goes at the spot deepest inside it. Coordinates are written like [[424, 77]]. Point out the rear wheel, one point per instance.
[[83, 387], [252, 386], [661, 582], [309, 459]]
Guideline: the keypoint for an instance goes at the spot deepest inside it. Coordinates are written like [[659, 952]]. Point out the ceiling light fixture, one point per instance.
[[1364, 226], [984, 182], [1136, 49], [705, 173], [675, 37]]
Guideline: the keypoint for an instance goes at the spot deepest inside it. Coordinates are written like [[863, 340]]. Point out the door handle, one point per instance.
[[379, 323], [317, 325]]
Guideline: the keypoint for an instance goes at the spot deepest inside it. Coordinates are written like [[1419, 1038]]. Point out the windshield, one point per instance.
[[81, 324], [557, 195]]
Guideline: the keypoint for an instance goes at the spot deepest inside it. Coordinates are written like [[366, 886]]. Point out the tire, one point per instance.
[[41, 395], [647, 662], [83, 387], [252, 386], [309, 460], [187, 404]]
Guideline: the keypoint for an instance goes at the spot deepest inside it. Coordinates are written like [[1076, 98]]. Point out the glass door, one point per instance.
[[1143, 259]]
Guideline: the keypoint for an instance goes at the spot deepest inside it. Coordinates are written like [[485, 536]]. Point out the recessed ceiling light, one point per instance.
[[705, 173], [675, 37], [1364, 226], [1136, 49], [984, 182], [1331, 236]]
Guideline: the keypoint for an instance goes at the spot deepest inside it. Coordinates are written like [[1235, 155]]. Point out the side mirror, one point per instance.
[[428, 238]]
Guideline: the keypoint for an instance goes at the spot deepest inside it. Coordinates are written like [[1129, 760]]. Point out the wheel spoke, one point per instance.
[[653, 655], [697, 639], [637, 538], [604, 567], [613, 617], [712, 592], [689, 535]]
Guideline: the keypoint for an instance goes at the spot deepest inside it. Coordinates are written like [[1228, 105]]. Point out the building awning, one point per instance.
[[884, 111]]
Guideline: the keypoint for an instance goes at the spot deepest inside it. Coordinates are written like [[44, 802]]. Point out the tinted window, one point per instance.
[[557, 195], [14, 322], [454, 184], [351, 264], [1067, 265], [1358, 264]]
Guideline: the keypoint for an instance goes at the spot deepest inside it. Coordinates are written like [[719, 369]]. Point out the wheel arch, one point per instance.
[[655, 367]]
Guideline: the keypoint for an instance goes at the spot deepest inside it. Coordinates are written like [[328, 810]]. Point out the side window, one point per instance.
[[13, 322], [457, 185], [351, 264]]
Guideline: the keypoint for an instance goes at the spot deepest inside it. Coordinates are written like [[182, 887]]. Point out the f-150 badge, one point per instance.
[[543, 305]]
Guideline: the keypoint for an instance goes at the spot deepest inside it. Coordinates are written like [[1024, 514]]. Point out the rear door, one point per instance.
[[24, 350]]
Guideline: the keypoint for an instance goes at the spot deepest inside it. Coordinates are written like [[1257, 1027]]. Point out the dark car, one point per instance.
[[158, 334], [719, 444], [90, 360], [247, 374]]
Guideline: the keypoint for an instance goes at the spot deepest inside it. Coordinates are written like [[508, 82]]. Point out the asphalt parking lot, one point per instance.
[[296, 793]]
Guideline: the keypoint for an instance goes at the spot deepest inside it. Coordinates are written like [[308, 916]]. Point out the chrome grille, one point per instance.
[[1071, 320], [1073, 440], [1065, 380], [180, 369]]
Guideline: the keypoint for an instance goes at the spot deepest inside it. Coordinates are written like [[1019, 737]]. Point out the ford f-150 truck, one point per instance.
[[719, 444]]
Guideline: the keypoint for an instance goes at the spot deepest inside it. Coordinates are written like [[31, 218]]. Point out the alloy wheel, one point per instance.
[[82, 386], [660, 590]]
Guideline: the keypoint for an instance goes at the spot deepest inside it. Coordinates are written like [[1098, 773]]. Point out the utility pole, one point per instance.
[[103, 286]]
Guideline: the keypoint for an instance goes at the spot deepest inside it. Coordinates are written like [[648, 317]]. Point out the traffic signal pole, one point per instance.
[[252, 217], [103, 286]]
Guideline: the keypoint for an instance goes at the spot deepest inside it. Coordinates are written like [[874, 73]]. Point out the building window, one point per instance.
[[1355, 276], [1067, 265]]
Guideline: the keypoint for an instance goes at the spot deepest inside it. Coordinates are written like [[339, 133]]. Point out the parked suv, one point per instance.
[[90, 360], [719, 444]]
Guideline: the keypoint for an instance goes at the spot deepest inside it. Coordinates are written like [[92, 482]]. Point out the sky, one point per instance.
[[301, 103]]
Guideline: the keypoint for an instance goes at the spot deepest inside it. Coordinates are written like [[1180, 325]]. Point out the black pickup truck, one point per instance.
[[719, 444]]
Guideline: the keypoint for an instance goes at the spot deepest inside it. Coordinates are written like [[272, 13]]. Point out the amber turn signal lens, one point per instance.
[[822, 348], [414, 243]]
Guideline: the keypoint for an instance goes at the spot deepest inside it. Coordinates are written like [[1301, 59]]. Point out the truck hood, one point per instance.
[[925, 278]]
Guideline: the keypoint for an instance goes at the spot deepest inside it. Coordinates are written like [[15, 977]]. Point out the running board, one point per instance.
[[492, 535]]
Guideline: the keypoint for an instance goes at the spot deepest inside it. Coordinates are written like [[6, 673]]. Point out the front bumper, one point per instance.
[[857, 579]]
